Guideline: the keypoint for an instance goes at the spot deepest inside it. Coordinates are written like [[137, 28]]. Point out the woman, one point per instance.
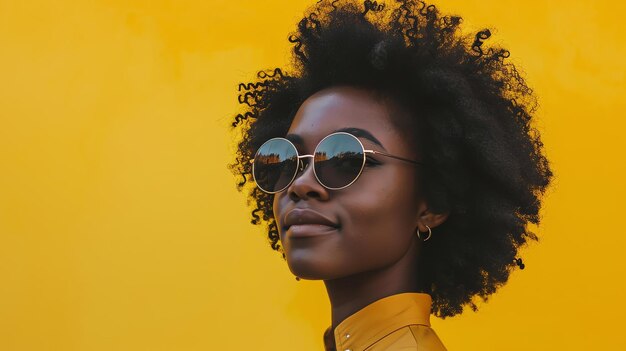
[[396, 161]]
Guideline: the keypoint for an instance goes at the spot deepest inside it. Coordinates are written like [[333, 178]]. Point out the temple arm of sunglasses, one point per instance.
[[392, 156]]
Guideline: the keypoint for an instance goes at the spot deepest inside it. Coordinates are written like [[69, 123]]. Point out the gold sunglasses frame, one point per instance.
[[300, 165]]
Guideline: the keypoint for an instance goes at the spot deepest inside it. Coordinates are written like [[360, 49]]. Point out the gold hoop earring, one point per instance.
[[429, 233]]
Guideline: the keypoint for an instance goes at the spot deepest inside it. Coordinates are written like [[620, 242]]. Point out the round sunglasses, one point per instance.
[[338, 162]]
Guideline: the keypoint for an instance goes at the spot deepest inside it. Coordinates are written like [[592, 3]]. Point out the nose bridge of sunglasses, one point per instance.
[[301, 162]]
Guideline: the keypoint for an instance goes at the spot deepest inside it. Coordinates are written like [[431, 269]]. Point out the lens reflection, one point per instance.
[[275, 165], [338, 160]]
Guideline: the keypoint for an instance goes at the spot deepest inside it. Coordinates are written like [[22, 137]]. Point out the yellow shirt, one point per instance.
[[396, 322]]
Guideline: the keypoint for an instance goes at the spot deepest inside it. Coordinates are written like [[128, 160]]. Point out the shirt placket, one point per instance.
[[345, 341]]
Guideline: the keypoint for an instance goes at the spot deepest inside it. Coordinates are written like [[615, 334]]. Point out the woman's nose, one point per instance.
[[306, 186]]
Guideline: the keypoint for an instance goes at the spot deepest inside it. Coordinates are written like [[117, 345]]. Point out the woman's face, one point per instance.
[[374, 219]]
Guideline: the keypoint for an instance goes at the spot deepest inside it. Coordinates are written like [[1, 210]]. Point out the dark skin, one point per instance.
[[374, 251]]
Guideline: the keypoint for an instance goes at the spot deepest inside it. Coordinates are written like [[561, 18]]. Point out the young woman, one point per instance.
[[396, 162]]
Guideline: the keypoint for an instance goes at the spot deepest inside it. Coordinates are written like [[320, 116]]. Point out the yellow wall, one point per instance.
[[120, 226]]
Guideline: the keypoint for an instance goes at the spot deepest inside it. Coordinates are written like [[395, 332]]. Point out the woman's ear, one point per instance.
[[428, 218]]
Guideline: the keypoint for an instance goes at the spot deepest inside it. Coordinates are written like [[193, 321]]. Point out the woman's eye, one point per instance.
[[371, 162]]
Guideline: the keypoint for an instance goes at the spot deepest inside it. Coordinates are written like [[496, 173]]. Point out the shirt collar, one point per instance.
[[376, 320]]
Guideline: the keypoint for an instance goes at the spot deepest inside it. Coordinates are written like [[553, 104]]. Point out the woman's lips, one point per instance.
[[303, 222], [309, 230]]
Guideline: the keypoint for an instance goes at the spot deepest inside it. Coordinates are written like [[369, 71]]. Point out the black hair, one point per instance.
[[485, 160]]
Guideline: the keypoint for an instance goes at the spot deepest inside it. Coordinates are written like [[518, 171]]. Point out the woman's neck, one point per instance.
[[350, 294]]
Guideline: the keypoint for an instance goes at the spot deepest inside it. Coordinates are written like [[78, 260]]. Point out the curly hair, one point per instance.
[[470, 105]]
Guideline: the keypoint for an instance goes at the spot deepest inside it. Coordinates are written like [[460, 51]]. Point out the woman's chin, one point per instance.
[[311, 268]]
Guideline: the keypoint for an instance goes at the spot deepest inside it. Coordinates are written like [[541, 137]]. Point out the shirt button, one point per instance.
[[347, 336], [347, 350]]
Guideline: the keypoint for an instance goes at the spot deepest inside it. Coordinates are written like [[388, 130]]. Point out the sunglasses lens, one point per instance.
[[275, 165], [339, 160]]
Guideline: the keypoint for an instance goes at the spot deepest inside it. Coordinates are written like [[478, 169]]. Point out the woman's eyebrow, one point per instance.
[[294, 138], [357, 132], [361, 133]]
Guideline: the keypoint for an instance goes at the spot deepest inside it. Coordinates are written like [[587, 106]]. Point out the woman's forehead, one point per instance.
[[340, 108]]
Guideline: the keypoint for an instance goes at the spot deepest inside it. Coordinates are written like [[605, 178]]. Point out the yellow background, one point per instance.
[[120, 225]]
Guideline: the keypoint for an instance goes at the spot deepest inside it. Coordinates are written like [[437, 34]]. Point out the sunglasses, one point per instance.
[[338, 162]]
